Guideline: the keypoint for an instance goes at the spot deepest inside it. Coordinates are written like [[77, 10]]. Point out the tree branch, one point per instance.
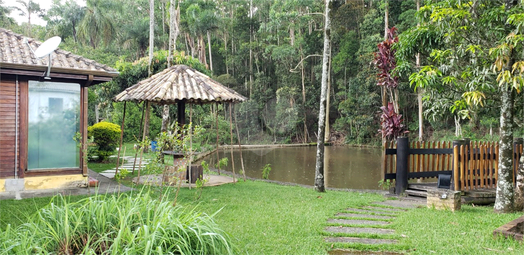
[[294, 70]]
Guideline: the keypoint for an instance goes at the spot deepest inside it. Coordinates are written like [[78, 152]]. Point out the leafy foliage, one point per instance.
[[106, 136], [386, 62], [391, 123]]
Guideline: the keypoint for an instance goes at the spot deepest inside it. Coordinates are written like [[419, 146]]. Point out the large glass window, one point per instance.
[[54, 119]]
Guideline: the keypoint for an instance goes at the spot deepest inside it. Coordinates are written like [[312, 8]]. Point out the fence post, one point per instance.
[[402, 165], [455, 166]]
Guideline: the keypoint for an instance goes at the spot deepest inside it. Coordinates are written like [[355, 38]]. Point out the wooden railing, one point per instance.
[[425, 160], [476, 163]]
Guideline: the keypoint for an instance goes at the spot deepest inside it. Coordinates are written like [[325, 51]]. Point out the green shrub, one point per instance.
[[106, 136], [120, 224]]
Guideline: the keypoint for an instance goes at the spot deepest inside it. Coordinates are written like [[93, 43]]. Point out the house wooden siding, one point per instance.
[[13, 146], [19, 67], [8, 127]]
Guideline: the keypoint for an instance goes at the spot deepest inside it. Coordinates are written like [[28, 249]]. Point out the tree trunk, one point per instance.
[[328, 93], [97, 113], [251, 50], [303, 76], [319, 166], [209, 47], [504, 194], [173, 32], [504, 201], [420, 91], [150, 68], [151, 35]]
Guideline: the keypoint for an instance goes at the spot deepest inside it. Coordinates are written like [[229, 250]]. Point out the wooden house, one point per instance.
[[41, 114]]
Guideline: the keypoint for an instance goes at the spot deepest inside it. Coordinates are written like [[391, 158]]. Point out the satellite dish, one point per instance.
[[45, 49], [48, 47]]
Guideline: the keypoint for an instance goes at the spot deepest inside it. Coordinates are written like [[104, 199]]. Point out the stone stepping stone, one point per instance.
[[355, 252], [353, 230], [372, 212], [358, 222], [356, 215], [403, 204], [359, 240], [109, 171], [108, 175], [384, 209]]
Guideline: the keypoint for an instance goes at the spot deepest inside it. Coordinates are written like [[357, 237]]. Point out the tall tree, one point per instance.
[[64, 19], [420, 91], [29, 7], [319, 166], [151, 35], [506, 56], [173, 35], [5, 20], [97, 25], [468, 41]]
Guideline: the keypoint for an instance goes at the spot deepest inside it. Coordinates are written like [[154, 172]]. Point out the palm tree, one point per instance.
[[97, 25], [64, 19], [136, 36], [201, 21], [28, 7]]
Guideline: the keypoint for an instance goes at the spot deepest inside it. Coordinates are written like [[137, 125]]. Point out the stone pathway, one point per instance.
[[355, 225], [129, 161]]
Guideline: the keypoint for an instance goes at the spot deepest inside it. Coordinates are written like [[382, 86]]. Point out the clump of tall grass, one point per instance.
[[119, 224]]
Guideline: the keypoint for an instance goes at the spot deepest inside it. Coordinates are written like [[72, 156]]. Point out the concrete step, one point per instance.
[[422, 186], [353, 230], [359, 240], [416, 193]]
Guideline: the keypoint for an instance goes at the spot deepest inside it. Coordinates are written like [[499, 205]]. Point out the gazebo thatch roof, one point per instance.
[[179, 83]]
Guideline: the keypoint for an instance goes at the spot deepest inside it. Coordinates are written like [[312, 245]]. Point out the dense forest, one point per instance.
[[271, 52]]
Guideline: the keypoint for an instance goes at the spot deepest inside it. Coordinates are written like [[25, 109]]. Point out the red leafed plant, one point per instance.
[[385, 61], [391, 123]]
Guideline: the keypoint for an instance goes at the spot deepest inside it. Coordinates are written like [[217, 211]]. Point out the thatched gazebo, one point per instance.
[[179, 84]]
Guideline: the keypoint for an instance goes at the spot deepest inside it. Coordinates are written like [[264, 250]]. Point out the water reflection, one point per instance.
[[345, 167]]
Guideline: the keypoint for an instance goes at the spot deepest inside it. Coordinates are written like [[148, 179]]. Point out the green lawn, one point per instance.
[[266, 218]]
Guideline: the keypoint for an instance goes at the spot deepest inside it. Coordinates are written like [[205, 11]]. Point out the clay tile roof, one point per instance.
[[15, 53], [179, 82]]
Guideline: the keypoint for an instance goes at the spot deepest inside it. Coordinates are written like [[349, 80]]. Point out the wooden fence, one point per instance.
[[476, 163], [426, 159]]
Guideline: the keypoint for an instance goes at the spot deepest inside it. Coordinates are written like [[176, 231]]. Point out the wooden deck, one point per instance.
[[478, 196]]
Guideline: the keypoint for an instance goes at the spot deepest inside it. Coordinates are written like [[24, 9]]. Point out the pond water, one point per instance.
[[345, 167]]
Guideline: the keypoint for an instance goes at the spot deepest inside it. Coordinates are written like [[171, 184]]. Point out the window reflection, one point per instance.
[[54, 118]]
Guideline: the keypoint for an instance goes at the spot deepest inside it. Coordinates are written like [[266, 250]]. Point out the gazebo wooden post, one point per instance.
[[231, 139], [143, 139], [141, 123], [181, 113], [190, 144], [216, 120], [121, 138], [240, 148]]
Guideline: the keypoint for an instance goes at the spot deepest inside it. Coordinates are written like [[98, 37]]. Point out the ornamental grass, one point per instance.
[[127, 223]]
